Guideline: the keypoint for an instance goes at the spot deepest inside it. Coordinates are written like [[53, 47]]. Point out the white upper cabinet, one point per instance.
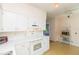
[[14, 22], [39, 18], [9, 21], [21, 22], [1, 19], [20, 17]]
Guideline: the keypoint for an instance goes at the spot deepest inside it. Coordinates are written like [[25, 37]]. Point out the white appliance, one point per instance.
[[36, 47]]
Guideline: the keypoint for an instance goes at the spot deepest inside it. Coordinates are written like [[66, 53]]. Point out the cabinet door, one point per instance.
[[9, 20], [22, 49], [21, 24], [14, 21], [34, 36], [1, 20], [39, 19], [46, 43]]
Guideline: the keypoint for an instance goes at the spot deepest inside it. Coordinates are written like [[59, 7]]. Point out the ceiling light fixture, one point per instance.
[[56, 5]]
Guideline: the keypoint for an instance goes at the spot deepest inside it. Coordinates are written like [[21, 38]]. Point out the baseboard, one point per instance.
[[73, 44], [53, 41]]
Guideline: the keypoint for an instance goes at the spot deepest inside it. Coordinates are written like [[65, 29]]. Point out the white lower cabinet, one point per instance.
[[32, 47], [35, 47], [22, 48], [46, 43], [33, 36]]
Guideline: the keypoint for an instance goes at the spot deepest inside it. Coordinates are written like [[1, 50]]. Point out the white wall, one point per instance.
[[62, 22], [74, 26]]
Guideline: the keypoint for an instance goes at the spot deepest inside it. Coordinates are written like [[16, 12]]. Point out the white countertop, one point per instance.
[[9, 46]]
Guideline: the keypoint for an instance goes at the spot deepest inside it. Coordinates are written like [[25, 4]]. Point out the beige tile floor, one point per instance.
[[58, 48]]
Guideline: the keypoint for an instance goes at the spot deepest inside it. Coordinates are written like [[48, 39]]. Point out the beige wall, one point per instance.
[[57, 28], [62, 22]]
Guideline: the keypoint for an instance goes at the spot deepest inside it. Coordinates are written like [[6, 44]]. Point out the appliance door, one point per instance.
[[36, 47]]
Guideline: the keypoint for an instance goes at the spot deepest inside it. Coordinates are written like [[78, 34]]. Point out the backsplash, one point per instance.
[[14, 36]]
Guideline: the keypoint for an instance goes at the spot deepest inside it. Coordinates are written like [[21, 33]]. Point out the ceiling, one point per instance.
[[52, 11]]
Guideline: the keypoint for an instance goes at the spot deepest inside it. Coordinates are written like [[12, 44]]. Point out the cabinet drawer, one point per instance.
[[34, 35]]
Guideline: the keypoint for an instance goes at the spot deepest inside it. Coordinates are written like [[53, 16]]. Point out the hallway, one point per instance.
[[57, 48]]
